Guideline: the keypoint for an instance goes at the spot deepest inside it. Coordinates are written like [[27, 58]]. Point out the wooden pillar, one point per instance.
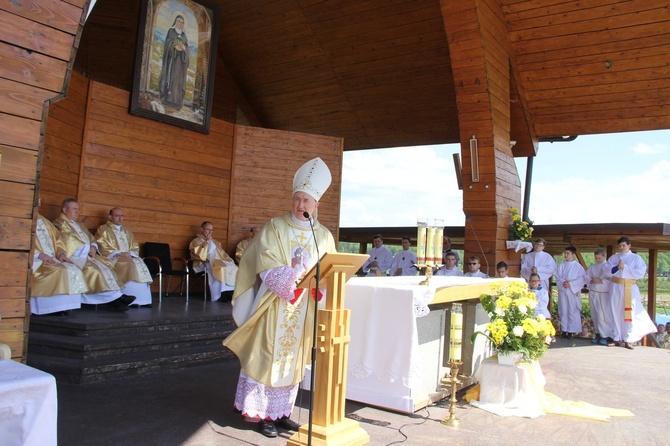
[[480, 58]]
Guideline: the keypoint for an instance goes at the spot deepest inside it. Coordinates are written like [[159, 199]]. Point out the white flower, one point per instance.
[[547, 339], [523, 309], [518, 331], [500, 312], [541, 317]]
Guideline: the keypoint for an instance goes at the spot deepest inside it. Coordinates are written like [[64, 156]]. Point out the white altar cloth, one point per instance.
[[28, 406], [388, 365]]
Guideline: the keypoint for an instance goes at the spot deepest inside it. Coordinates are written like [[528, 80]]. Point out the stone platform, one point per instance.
[[93, 344]]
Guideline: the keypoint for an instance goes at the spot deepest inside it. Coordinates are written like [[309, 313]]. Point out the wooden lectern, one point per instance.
[[329, 425]]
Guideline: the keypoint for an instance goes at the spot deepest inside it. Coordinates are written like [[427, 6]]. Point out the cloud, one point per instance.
[[395, 187], [649, 149], [606, 199]]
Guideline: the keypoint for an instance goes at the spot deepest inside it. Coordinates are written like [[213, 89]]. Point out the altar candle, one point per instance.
[[455, 333], [421, 243], [430, 242]]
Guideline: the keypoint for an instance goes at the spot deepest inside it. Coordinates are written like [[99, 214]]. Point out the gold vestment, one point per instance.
[[274, 337]]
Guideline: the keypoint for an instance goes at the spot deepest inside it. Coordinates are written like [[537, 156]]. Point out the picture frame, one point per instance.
[[175, 60]]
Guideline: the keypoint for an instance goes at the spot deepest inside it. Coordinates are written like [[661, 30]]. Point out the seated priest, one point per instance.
[[207, 254], [104, 286], [57, 283], [242, 245], [117, 243]]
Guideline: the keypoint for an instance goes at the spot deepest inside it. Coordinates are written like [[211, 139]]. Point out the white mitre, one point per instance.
[[313, 178]]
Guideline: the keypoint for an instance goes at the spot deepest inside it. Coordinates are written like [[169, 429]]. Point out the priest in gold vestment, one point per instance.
[[275, 321], [103, 284], [117, 243], [57, 283], [208, 254]]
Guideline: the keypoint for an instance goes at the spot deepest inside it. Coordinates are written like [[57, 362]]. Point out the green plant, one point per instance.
[[514, 326]]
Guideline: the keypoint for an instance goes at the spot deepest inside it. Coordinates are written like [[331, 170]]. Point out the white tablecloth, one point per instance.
[[28, 406], [389, 366]]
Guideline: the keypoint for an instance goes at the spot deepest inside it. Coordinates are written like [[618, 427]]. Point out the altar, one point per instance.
[[399, 330]]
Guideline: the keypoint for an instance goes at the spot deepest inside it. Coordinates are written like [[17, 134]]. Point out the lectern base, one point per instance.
[[345, 433]]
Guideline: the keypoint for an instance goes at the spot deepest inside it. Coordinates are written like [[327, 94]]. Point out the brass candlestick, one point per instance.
[[452, 420]]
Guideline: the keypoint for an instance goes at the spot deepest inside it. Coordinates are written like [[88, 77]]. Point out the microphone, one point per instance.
[[312, 385]]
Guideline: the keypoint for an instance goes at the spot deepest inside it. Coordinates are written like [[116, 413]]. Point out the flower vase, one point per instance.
[[509, 358]]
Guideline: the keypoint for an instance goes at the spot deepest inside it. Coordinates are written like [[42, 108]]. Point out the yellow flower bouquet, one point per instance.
[[514, 326], [519, 229]]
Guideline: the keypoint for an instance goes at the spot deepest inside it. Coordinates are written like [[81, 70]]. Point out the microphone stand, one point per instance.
[[314, 333]]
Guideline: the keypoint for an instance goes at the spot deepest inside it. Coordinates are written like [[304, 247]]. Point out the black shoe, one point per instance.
[[570, 335], [126, 300], [288, 424], [628, 345], [268, 429], [564, 335]]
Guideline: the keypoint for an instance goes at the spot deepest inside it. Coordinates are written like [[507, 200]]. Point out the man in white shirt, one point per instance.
[[380, 258], [538, 262], [473, 266], [403, 262], [450, 267]]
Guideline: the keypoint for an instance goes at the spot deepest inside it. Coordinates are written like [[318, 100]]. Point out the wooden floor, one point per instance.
[[193, 406]]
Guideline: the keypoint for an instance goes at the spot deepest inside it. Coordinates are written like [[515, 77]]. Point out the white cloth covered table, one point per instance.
[[389, 365], [28, 406]]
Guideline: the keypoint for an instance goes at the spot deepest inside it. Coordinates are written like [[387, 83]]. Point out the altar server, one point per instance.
[[380, 258], [570, 278], [599, 281], [538, 262], [631, 320], [275, 321], [404, 261], [542, 296], [450, 267]]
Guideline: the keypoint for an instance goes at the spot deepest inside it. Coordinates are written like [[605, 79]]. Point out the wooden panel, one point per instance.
[[15, 233], [36, 37], [22, 100], [18, 165], [53, 13], [17, 200], [32, 68], [19, 132]]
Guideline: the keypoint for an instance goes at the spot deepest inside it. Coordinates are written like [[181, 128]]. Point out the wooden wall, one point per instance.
[[167, 179], [35, 61], [265, 163]]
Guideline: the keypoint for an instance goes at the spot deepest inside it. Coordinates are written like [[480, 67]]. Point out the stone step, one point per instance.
[[102, 369], [78, 347]]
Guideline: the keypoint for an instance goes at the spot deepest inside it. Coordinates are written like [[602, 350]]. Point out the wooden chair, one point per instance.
[[159, 261]]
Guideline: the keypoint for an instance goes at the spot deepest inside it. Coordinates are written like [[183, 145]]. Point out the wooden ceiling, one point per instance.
[[379, 74]]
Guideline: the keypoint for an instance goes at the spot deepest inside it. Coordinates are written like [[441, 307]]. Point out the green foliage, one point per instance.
[[518, 228]]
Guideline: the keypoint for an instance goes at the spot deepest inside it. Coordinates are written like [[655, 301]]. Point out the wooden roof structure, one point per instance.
[[380, 73], [585, 237]]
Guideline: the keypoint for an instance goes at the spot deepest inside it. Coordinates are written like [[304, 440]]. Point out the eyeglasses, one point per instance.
[[472, 263]]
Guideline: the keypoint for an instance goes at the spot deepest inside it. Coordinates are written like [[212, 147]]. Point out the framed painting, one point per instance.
[[175, 61]]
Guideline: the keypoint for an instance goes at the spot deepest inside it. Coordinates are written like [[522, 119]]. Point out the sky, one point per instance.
[[611, 178]]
